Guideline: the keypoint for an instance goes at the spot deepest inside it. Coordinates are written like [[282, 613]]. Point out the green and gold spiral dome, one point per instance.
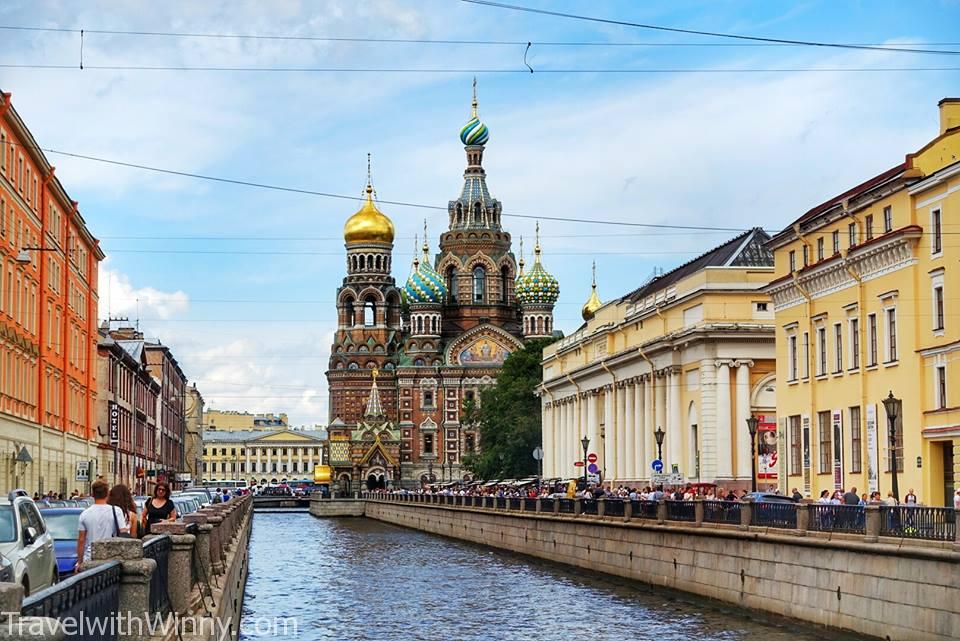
[[424, 285], [537, 286]]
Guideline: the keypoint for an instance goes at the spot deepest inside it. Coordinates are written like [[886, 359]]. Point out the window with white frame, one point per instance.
[[853, 325], [852, 234], [792, 355], [838, 347], [888, 219], [868, 221], [806, 355], [936, 283], [941, 383], [836, 242], [871, 340], [820, 248], [793, 260], [936, 229], [821, 351], [890, 316]]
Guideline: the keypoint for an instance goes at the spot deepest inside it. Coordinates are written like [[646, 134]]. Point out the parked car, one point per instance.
[[202, 497], [63, 523], [768, 497], [201, 490], [25, 541], [6, 570]]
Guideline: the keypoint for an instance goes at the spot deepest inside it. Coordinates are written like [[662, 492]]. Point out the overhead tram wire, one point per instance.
[[322, 194], [745, 41], [695, 32]]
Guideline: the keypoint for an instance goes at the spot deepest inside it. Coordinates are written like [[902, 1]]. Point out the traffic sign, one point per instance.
[[668, 479], [592, 468], [591, 458], [538, 453], [83, 471], [578, 463], [657, 465]]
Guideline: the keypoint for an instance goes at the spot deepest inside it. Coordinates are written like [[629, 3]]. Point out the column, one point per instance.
[[630, 430], [565, 461], [619, 448], [609, 436], [675, 420], [546, 436], [724, 447], [649, 441], [744, 469], [660, 412], [582, 419], [593, 426], [259, 466], [639, 446]]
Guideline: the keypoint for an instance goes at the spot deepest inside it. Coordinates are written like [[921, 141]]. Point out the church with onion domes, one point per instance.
[[407, 358]]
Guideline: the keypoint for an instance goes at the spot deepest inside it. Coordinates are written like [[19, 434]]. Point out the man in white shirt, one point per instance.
[[99, 521]]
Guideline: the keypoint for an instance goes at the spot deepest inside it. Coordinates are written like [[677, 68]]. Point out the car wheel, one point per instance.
[[56, 576], [26, 586]]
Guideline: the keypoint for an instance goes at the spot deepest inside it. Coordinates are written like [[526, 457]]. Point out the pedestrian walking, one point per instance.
[[159, 508], [99, 521], [120, 497]]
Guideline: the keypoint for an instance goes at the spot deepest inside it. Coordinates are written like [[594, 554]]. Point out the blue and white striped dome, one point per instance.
[[474, 132]]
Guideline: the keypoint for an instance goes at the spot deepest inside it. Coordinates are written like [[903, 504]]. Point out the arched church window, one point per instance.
[[388, 367], [452, 282], [418, 362], [459, 213], [504, 283], [378, 262], [479, 284], [476, 212], [348, 311], [433, 324], [369, 313], [419, 329]]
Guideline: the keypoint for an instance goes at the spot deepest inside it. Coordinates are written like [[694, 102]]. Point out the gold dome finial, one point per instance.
[[416, 259], [593, 303], [536, 248], [473, 105], [426, 245], [521, 263], [368, 224]]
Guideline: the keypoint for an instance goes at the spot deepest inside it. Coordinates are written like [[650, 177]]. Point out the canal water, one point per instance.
[[355, 579]]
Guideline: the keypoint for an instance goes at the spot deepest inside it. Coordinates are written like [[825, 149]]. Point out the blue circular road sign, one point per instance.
[[657, 465]]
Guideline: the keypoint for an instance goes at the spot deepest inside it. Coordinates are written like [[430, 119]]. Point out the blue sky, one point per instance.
[[247, 299]]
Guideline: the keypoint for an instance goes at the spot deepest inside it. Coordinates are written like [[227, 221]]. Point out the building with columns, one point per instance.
[[261, 456], [434, 342], [690, 352]]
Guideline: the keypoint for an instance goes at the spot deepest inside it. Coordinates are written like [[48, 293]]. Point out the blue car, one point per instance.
[[63, 524]]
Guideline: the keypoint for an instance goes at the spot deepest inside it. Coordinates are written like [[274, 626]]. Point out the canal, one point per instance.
[[356, 579]]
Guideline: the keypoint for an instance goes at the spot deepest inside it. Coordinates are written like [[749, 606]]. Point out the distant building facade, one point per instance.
[[193, 437], [261, 456], [233, 420]]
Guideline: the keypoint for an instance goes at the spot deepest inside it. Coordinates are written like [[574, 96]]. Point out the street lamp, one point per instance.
[[752, 424], [659, 434], [430, 471], [893, 406], [585, 442]]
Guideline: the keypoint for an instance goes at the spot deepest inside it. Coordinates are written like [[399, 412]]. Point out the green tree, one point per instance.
[[508, 417]]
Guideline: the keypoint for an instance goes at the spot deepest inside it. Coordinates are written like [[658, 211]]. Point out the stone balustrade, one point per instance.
[[205, 568]]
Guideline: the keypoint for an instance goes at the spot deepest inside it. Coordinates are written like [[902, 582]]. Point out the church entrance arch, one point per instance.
[[376, 479]]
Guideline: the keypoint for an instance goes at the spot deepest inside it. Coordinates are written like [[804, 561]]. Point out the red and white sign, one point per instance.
[[767, 447], [591, 458], [578, 463]]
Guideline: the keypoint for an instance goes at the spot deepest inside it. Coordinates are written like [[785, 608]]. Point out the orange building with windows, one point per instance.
[[48, 311]]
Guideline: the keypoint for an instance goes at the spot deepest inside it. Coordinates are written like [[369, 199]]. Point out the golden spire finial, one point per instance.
[[536, 248], [369, 178], [416, 245], [521, 263], [426, 245], [474, 103]]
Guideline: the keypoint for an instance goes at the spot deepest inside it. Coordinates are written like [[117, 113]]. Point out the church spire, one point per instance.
[[374, 406]]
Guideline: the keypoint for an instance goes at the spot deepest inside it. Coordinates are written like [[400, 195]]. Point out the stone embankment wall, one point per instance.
[[336, 507], [900, 593]]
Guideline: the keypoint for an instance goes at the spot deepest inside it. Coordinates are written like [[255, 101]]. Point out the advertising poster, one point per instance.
[[767, 447]]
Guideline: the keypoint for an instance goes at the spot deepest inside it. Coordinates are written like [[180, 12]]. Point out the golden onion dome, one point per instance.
[[593, 303], [369, 224]]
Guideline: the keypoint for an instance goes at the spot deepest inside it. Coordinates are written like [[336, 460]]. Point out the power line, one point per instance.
[[711, 34], [310, 192], [760, 42], [484, 71]]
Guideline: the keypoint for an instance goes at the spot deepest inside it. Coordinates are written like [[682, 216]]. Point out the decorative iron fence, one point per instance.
[[588, 506], [779, 515], [530, 505], [546, 505], [513, 503], [158, 548], [501, 503], [566, 506], [92, 596], [837, 518], [644, 509], [916, 522], [681, 511], [721, 512], [613, 507]]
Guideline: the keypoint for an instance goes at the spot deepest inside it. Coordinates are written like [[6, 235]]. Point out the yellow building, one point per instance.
[[261, 456], [690, 352], [234, 420], [866, 302]]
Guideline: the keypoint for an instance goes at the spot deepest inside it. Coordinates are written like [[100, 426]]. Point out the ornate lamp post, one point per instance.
[[659, 434], [752, 424], [430, 471], [585, 442], [893, 406]]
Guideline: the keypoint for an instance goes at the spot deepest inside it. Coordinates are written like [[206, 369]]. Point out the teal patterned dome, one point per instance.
[[537, 286], [424, 285], [474, 132]]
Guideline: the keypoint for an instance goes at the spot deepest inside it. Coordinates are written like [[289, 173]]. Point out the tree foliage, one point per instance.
[[508, 417]]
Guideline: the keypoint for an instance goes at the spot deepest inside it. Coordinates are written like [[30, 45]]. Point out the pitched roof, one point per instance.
[[745, 250]]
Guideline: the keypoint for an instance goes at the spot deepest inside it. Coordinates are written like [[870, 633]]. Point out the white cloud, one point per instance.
[[119, 297]]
